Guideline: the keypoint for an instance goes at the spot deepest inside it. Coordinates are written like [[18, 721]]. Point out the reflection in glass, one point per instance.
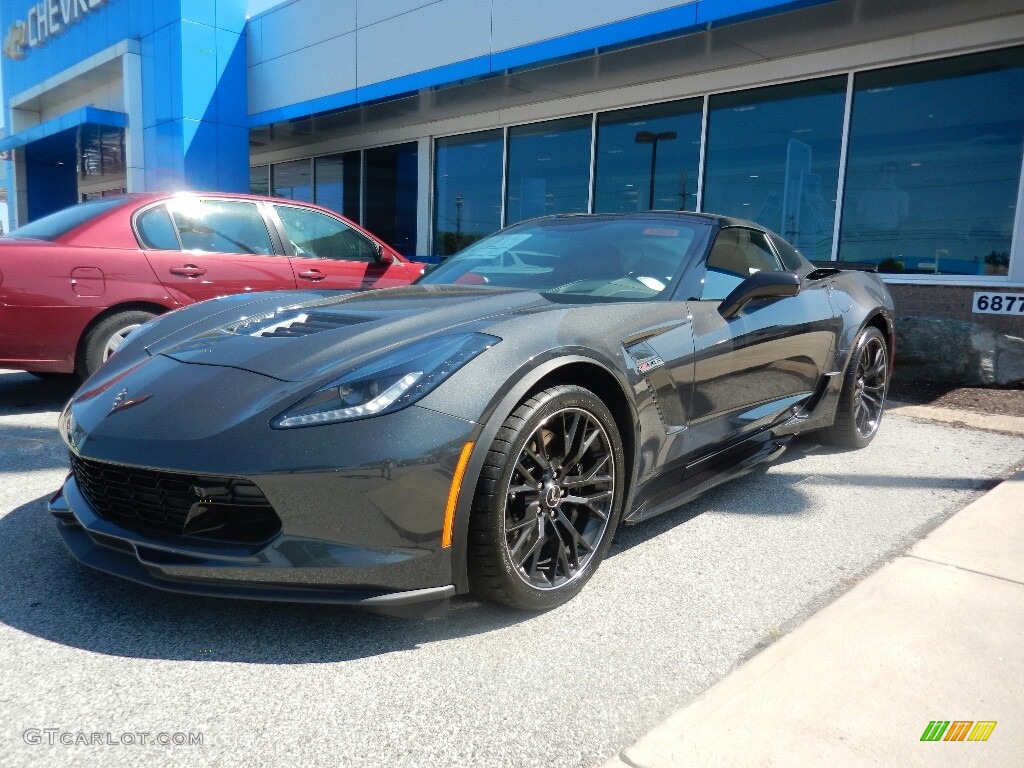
[[548, 168], [392, 186], [648, 158], [773, 158], [581, 260], [101, 151], [337, 183], [467, 189], [934, 165], [294, 180], [259, 180]]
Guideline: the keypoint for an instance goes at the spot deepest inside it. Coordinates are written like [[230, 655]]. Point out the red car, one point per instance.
[[73, 284]]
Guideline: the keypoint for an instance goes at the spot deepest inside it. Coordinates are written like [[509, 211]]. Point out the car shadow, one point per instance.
[[23, 393], [775, 493], [45, 593], [29, 448]]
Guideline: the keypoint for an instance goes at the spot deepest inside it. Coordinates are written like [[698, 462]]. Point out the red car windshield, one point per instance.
[[56, 224]]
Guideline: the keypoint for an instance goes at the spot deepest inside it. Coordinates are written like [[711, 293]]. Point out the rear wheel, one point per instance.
[[862, 399], [104, 338], [548, 500]]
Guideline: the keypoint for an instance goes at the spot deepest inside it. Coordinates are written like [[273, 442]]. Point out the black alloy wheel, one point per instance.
[[862, 400], [548, 500]]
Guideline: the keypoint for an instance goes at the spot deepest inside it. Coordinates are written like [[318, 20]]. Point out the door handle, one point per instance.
[[189, 270], [312, 274]]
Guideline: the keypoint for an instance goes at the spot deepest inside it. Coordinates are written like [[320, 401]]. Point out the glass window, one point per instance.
[[548, 168], [101, 151], [294, 180], [773, 158], [337, 183], [220, 226], [467, 189], [60, 223], [593, 259], [317, 235], [648, 158], [737, 254], [934, 165], [259, 180], [156, 230], [392, 187]]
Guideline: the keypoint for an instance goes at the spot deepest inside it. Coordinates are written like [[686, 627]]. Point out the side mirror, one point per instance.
[[760, 285], [381, 256]]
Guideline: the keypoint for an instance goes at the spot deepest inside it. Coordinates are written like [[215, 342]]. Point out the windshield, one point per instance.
[[634, 258], [56, 224]]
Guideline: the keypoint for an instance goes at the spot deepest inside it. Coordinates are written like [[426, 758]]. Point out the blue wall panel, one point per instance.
[[193, 77], [232, 102]]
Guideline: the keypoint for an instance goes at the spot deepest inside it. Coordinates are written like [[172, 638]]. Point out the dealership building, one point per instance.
[[888, 132]]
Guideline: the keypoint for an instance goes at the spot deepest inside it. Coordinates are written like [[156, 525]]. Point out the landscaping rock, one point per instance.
[[939, 349]]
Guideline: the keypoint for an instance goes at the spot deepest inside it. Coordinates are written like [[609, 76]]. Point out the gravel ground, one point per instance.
[[679, 603]]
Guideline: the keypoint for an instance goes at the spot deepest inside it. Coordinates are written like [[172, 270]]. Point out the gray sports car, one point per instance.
[[484, 430]]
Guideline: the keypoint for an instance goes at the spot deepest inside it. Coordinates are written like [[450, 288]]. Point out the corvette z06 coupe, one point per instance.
[[483, 430]]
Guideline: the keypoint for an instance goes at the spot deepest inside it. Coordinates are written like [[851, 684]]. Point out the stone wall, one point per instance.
[[940, 339], [954, 302]]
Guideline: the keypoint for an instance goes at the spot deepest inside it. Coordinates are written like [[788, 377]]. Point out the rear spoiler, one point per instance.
[[859, 266]]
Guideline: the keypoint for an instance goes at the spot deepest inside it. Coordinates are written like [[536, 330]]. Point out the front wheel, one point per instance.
[[862, 399], [104, 338], [548, 500]]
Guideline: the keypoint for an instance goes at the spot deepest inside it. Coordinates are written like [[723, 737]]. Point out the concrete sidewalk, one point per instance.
[[937, 634]]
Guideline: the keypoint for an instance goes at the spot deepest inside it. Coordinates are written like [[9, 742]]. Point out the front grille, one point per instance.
[[220, 509]]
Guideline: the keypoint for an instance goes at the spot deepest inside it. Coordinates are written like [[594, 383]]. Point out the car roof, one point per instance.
[[148, 197], [721, 220]]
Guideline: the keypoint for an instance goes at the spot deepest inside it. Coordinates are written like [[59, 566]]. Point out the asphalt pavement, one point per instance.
[[91, 664]]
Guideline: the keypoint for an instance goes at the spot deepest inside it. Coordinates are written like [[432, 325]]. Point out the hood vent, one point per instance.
[[292, 322], [308, 323]]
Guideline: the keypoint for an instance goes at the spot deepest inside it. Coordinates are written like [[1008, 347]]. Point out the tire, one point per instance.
[[862, 399], [534, 548], [102, 339]]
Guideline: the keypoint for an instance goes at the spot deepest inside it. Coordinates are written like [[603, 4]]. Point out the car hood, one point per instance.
[[311, 338]]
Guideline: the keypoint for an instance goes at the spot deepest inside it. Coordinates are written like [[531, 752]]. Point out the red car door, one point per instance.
[[327, 252], [201, 248]]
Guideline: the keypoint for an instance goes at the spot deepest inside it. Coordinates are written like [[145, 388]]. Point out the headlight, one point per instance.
[[388, 384]]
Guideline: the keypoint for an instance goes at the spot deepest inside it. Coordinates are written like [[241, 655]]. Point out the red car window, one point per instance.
[[315, 234], [156, 230], [221, 226]]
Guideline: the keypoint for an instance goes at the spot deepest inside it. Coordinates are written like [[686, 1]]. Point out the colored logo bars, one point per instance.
[[958, 730]]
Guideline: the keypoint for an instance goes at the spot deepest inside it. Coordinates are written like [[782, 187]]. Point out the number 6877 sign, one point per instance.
[[999, 303]]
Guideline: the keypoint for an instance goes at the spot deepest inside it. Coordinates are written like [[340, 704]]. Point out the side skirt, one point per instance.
[[709, 471]]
